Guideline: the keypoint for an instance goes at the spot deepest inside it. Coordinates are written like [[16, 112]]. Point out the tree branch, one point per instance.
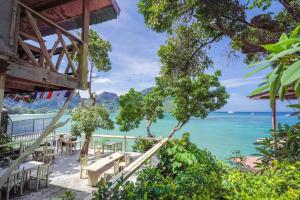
[[148, 129], [177, 128], [291, 9]]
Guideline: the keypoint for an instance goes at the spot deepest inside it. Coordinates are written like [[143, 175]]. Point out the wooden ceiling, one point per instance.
[[68, 13]]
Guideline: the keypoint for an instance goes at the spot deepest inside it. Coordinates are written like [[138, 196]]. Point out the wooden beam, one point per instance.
[[83, 63], [28, 36], [28, 51], [2, 89], [70, 61], [18, 85], [50, 23], [44, 50], [54, 47], [58, 62], [72, 57], [41, 76]]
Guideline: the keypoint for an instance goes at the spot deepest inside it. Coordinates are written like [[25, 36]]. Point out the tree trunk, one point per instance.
[[177, 128], [92, 95], [148, 129], [86, 144]]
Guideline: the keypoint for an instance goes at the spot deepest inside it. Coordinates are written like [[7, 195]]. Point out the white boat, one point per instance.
[[230, 112]]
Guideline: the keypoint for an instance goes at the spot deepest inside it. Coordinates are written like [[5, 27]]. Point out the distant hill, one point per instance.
[[107, 99]]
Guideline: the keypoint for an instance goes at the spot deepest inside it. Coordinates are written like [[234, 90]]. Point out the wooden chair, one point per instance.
[[61, 147], [97, 153], [14, 181], [112, 171], [42, 174], [126, 162], [48, 155], [83, 165], [119, 147], [26, 176]]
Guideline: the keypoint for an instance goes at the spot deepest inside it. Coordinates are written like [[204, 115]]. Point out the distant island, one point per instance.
[[107, 99]]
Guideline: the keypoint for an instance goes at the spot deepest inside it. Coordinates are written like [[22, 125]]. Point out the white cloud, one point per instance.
[[237, 82], [137, 66], [102, 80]]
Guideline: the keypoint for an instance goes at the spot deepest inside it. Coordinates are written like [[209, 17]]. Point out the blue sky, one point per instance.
[[135, 62]]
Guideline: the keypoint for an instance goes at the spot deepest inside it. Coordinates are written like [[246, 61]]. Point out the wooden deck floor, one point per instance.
[[64, 175]]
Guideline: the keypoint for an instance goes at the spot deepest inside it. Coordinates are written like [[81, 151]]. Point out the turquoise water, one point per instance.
[[221, 133]]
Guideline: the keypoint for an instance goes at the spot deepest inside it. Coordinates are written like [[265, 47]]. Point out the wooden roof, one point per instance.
[[68, 13], [290, 94]]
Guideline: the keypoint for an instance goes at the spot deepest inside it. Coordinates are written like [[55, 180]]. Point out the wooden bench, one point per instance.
[[96, 169]]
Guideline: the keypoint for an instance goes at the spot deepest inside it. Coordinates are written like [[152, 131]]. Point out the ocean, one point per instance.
[[221, 133]]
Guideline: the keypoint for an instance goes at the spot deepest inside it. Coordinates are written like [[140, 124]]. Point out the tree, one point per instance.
[[183, 79], [87, 119], [234, 19], [98, 58], [134, 107]]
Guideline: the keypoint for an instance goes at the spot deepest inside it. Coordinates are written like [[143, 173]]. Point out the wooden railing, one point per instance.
[[66, 46]]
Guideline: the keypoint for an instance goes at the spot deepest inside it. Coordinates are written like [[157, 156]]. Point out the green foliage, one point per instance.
[[284, 61], [131, 110], [278, 183], [234, 19], [177, 177], [134, 107], [186, 172], [98, 52], [143, 145], [87, 119], [68, 195], [283, 145]]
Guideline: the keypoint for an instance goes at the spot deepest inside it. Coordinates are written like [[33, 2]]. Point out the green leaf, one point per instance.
[[291, 74], [260, 89], [284, 53], [295, 32], [294, 106], [283, 37], [273, 48], [256, 70], [258, 63]]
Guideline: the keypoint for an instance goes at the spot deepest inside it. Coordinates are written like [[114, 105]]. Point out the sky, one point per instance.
[[135, 62]]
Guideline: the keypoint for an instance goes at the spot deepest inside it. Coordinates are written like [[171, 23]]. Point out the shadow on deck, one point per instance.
[[64, 176]]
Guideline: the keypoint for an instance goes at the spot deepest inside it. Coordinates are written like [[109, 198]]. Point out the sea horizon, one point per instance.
[[221, 132]]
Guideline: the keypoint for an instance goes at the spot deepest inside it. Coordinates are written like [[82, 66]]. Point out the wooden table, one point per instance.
[[40, 150], [109, 145], [24, 166], [96, 169]]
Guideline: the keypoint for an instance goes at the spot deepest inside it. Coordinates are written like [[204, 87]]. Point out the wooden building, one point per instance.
[[26, 64]]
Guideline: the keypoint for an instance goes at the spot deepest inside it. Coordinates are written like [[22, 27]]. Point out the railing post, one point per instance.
[[83, 63], [2, 89]]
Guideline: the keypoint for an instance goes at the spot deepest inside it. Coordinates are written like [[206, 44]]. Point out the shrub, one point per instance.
[[281, 183]]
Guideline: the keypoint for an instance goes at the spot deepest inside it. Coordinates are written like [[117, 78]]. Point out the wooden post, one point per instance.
[[2, 89], [83, 63], [274, 115]]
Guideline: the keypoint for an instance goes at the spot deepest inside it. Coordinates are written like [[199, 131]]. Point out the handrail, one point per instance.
[[30, 140], [134, 166], [49, 22]]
